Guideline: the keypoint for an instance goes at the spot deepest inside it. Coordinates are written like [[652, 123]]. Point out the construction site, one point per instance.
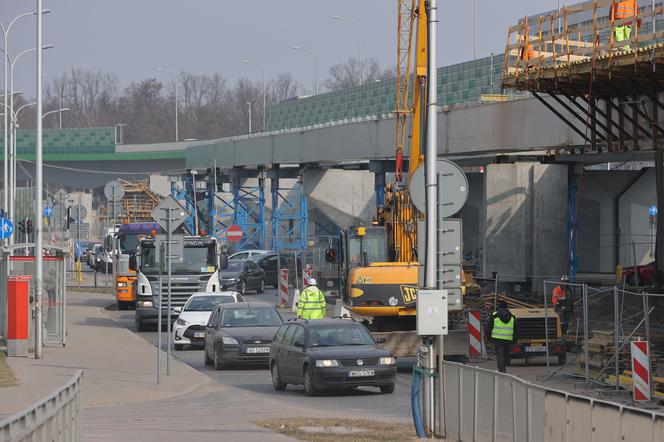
[[549, 171]]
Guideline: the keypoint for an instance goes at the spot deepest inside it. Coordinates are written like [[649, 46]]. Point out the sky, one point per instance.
[[131, 38]]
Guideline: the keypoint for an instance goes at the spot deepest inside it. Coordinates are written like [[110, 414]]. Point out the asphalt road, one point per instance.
[[359, 403]]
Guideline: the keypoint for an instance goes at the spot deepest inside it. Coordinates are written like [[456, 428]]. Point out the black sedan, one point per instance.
[[270, 262], [243, 275], [240, 333], [327, 353]]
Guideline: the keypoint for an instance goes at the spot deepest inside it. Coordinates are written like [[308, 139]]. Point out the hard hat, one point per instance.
[[312, 281]]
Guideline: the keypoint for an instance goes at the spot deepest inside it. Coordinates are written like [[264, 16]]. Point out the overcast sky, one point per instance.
[[132, 37]]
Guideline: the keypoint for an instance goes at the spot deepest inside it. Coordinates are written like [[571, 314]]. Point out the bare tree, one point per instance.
[[283, 87], [344, 75]]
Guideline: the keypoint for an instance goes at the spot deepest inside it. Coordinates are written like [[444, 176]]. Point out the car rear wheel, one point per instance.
[[277, 383], [261, 286], [309, 388], [387, 389], [218, 365]]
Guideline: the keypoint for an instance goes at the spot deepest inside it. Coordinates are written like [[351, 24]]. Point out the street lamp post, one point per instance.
[[39, 256], [299, 48], [249, 103], [359, 45], [5, 36], [263, 71], [14, 155], [175, 87]]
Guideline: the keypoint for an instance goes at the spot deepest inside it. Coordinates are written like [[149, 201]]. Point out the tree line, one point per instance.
[[209, 106]]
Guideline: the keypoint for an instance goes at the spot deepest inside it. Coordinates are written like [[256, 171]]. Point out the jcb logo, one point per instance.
[[363, 280], [409, 294]]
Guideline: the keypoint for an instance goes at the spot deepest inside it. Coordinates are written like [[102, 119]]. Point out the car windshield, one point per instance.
[[250, 317], [129, 241], [206, 303], [339, 336], [235, 266]]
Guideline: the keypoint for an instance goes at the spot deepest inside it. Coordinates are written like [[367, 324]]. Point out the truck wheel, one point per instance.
[[139, 325], [562, 358], [122, 305]]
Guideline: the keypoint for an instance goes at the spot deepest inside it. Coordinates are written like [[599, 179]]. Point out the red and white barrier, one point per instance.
[[475, 332], [306, 274], [283, 287], [641, 370]]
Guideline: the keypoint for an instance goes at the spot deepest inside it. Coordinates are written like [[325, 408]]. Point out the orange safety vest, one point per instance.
[[559, 294], [623, 9]]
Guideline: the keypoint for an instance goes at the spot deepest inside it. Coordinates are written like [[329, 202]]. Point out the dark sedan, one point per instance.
[[269, 262], [328, 353], [243, 275], [240, 333]]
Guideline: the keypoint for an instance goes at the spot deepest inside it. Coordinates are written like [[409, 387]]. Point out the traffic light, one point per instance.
[[29, 227], [330, 255], [21, 226]]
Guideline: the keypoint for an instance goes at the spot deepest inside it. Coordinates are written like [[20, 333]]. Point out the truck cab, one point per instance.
[[198, 271]]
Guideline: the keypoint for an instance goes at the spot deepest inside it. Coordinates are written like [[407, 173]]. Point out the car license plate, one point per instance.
[[199, 334], [361, 373], [536, 349], [258, 349]]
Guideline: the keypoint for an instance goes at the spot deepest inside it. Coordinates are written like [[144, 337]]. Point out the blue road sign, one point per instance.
[[48, 211], [6, 228], [652, 210]]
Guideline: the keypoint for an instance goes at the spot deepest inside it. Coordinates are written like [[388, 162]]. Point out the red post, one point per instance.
[[18, 315]]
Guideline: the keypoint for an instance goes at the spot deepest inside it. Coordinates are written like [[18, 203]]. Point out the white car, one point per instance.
[[189, 327], [246, 254]]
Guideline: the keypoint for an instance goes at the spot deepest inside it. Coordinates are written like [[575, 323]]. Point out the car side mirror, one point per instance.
[[177, 309], [133, 264], [298, 343], [381, 340], [210, 325]]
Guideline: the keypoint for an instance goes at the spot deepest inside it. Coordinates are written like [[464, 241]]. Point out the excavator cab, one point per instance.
[[365, 245]]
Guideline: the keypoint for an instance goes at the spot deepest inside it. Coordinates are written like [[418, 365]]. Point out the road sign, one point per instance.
[[47, 211], [178, 214], [6, 228], [177, 248], [452, 188], [114, 191], [78, 213], [652, 210], [234, 233]]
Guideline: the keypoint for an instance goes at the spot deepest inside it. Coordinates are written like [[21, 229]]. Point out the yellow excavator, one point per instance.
[[378, 263]]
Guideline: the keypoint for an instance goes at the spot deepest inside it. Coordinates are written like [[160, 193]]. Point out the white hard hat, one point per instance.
[[312, 281]]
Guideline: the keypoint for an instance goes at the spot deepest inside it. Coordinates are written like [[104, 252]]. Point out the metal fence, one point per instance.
[[484, 405], [88, 278], [56, 418]]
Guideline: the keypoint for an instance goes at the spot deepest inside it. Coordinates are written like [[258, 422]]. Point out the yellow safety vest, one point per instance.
[[311, 304], [501, 330]]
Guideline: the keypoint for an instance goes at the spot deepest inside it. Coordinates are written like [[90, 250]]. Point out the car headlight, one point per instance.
[[387, 361], [179, 321], [232, 281], [122, 284], [144, 304], [327, 363], [229, 341]]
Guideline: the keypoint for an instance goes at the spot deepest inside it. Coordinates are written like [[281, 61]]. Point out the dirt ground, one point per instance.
[[333, 430], [7, 378]]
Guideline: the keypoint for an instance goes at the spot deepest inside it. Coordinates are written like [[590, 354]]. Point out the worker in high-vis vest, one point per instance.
[[622, 10], [500, 329], [311, 304]]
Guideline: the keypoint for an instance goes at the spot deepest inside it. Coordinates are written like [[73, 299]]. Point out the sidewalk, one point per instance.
[[118, 366]]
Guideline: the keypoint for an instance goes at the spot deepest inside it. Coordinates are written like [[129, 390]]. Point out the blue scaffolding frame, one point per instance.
[[249, 214], [289, 217]]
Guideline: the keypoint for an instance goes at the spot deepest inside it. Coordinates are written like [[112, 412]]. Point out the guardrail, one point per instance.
[[484, 405], [56, 418]]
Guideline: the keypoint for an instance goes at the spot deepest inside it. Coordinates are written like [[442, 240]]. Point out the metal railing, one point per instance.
[[485, 405], [55, 418]]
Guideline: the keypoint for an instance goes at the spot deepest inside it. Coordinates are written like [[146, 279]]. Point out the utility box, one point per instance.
[[18, 315], [432, 312]]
